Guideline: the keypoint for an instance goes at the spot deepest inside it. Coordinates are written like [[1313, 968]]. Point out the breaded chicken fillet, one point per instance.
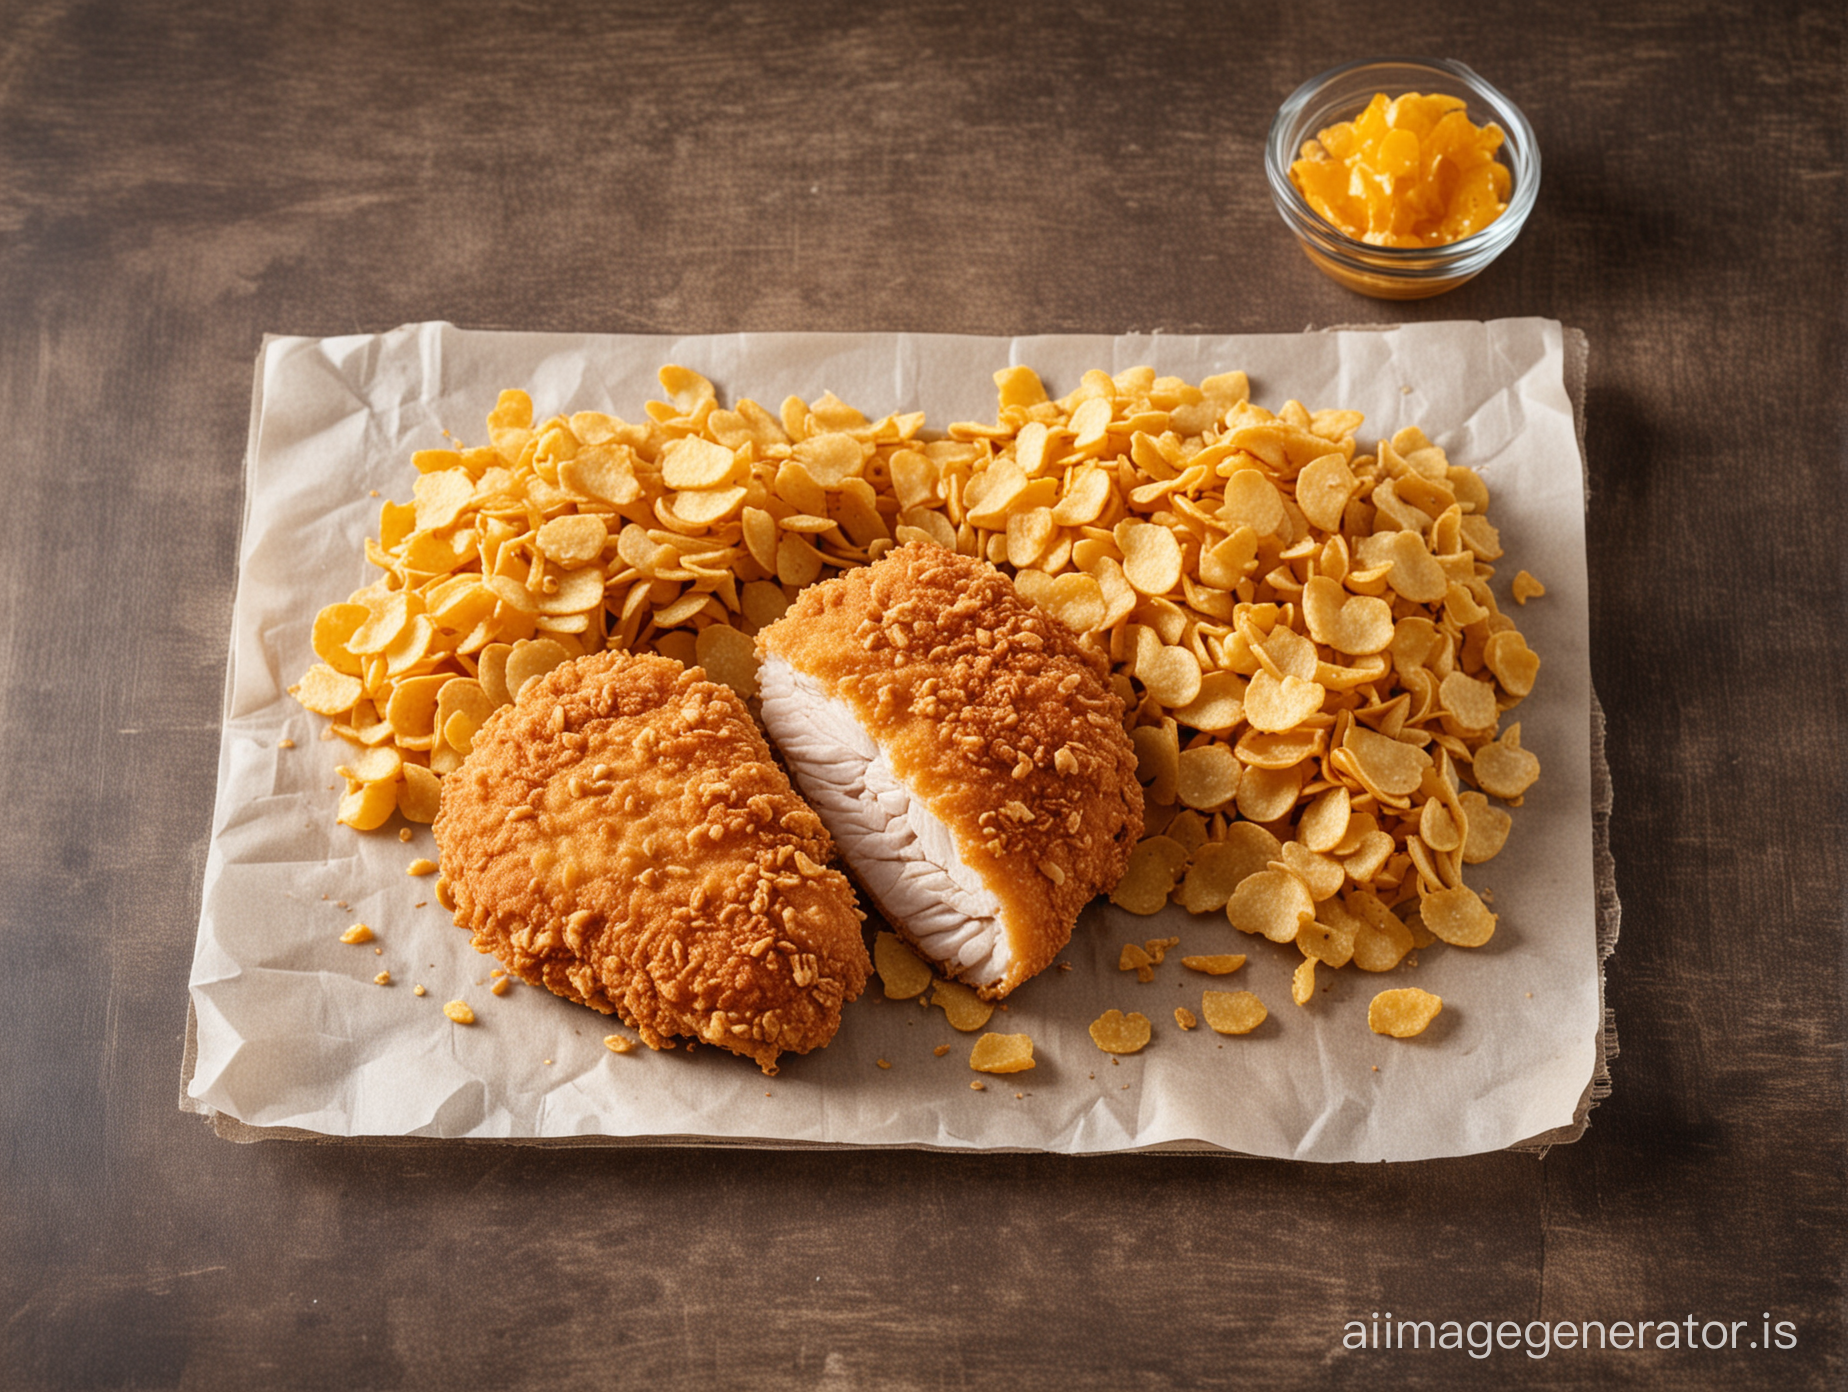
[[965, 750], [621, 836]]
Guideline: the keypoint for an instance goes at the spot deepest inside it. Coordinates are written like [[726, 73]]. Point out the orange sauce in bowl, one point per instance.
[[1410, 172]]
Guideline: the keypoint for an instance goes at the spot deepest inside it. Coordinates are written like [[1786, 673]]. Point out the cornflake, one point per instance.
[[1117, 1033], [1002, 1053], [902, 972], [1402, 1013], [965, 1010], [1232, 1012]]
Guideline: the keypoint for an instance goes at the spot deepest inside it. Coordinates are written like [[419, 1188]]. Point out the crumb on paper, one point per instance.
[[882, 1063], [382, 979], [404, 834], [285, 744], [941, 1050], [418, 990], [622, 1044], [458, 1010], [358, 933], [501, 987], [420, 866]]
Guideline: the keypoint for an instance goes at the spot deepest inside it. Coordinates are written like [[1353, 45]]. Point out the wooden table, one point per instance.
[[178, 179]]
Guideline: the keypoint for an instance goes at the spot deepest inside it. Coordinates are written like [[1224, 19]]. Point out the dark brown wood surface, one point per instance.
[[177, 179]]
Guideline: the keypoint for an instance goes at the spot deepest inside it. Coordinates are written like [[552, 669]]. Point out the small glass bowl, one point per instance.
[[1398, 273]]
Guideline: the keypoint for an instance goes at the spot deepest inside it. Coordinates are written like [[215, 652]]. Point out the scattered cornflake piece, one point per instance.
[[1117, 1033], [1184, 1017], [1002, 1053], [421, 867], [418, 990], [1504, 768], [965, 1010], [1459, 917], [622, 1044], [382, 979], [458, 1010], [1154, 865], [1273, 903], [1232, 1012], [501, 987], [882, 1063], [285, 744], [1136, 959], [1157, 948], [1526, 587], [902, 972], [941, 1050], [358, 933], [1220, 964], [1403, 1013], [1302, 981]]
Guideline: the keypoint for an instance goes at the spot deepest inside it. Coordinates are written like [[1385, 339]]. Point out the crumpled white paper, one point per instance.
[[292, 1031]]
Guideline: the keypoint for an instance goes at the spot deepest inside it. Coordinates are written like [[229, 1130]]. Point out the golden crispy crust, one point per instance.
[[994, 714], [621, 836]]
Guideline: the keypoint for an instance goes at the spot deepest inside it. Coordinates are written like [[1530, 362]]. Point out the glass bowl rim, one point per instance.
[[1523, 153]]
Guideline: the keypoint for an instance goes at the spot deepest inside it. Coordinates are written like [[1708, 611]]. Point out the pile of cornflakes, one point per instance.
[[1305, 637], [682, 534]]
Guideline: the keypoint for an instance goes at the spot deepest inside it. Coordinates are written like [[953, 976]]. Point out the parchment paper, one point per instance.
[[290, 1030]]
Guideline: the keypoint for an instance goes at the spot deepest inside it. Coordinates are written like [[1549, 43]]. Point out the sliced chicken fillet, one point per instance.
[[903, 855], [963, 749]]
